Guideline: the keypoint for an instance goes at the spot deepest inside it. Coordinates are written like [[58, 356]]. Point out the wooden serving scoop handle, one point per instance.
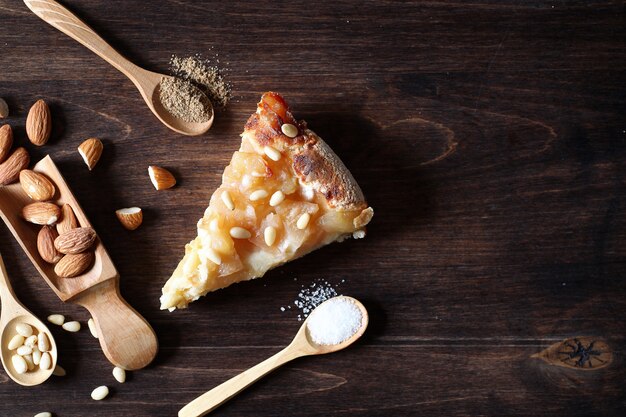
[[126, 338]]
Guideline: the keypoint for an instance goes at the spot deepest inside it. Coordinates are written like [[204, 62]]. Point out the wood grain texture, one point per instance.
[[488, 136]]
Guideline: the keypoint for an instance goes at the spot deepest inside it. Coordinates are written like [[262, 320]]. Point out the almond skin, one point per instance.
[[6, 141], [161, 178], [74, 264], [41, 213], [45, 245], [36, 185], [4, 108], [10, 169], [39, 123], [131, 218], [68, 220], [75, 241], [91, 150]]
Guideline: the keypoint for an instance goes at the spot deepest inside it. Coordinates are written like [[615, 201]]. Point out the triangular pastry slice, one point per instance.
[[284, 194]]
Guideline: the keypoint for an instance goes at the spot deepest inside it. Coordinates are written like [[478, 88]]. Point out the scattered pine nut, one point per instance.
[[44, 414], [100, 393], [277, 198], [119, 374], [71, 326], [240, 233], [289, 130], [92, 328], [57, 319], [228, 200], [16, 341], [19, 364], [257, 195], [303, 221], [24, 329], [269, 235], [272, 153], [46, 361]]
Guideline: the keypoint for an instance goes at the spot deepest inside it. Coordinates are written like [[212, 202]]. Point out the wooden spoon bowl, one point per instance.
[[126, 338]]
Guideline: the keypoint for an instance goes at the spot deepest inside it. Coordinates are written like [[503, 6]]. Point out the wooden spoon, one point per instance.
[[13, 312], [147, 82], [126, 338], [302, 345]]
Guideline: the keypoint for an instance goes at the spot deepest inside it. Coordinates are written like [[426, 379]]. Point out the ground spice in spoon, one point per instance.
[[203, 75], [183, 100]]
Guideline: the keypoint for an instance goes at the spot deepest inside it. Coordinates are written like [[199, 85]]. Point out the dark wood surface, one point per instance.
[[489, 137]]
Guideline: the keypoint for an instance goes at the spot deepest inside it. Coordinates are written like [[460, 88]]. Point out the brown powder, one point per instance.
[[203, 75], [183, 100]]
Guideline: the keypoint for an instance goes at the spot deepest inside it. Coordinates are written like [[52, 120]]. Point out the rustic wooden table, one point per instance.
[[488, 136]]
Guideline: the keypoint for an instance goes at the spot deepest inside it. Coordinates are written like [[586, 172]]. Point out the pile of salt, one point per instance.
[[334, 321]]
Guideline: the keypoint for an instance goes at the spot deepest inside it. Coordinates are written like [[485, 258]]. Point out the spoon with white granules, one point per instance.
[[333, 325]]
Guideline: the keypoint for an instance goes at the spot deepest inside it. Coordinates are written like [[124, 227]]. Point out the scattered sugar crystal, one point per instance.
[[334, 321], [313, 295]]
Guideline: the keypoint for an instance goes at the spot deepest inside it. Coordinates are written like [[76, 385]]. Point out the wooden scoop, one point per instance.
[[13, 313], [147, 82], [126, 338], [301, 345]]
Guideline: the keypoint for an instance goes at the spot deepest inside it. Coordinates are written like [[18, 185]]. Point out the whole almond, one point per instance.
[[36, 185], [130, 218], [68, 220], [75, 241], [39, 123], [91, 150], [4, 108], [6, 141], [74, 264], [45, 245], [10, 169], [41, 213], [161, 178]]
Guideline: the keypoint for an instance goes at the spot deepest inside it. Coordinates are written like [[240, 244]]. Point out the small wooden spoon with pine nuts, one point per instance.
[[14, 314]]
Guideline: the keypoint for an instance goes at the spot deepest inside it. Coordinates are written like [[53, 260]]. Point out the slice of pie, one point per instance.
[[284, 194]]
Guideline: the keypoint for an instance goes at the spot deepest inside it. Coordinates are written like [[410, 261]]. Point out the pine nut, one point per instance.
[[303, 221], [31, 341], [36, 356], [213, 256], [228, 200], [289, 130], [272, 153], [277, 198], [16, 341], [24, 350], [46, 361], [44, 342], [24, 329], [59, 371], [29, 362], [44, 414], [57, 319], [71, 326], [269, 235], [100, 393], [92, 327], [19, 364], [119, 374], [257, 195], [240, 233], [214, 225]]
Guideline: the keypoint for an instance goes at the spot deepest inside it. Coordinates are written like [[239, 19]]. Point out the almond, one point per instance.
[[45, 245], [41, 213], [39, 123], [68, 221], [4, 108], [76, 240], [91, 150], [36, 185], [161, 178], [6, 141], [130, 218], [74, 264], [10, 169]]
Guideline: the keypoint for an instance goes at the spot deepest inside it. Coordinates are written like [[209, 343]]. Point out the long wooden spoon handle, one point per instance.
[[126, 338], [64, 20], [212, 399]]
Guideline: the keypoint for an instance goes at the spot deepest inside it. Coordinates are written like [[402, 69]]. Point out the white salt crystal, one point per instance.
[[334, 321]]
